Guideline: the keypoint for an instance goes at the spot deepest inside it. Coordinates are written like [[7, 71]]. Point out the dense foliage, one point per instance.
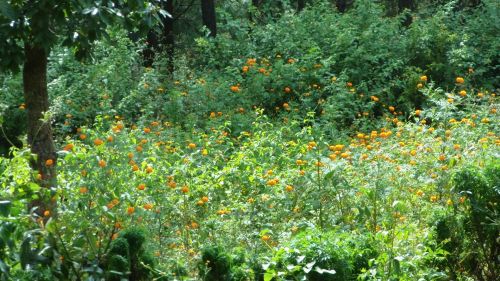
[[311, 145]]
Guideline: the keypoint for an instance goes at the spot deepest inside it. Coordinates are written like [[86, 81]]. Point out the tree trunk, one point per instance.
[[301, 4], [342, 5], [168, 37], [39, 132], [406, 4], [208, 15], [149, 52]]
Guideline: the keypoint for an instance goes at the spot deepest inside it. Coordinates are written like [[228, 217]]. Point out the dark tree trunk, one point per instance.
[[208, 16], [406, 4], [301, 4], [341, 5], [39, 132], [149, 52], [168, 37]]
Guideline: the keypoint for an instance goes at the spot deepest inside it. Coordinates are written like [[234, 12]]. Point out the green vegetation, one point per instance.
[[281, 140]]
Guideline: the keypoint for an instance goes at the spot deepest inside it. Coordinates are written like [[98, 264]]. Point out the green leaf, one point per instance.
[[7, 10], [269, 275], [25, 254], [4, 269], [5, 208]]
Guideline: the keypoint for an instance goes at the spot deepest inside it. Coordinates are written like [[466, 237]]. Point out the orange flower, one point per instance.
[[423, 78], [272, 182], [98, 142], [235, 88], [185, 189], [46, 213], [172, 184], [192, 146], [442, 157], [49, 162], [141, 186], [147, 130], [109, 138], [287, 90], [83, 190], [417, 112], [289, 188], [135, 168], [245, 69], [138, 148], [130, 210], [83, 136], [459, 80], [204, 199], [102, 163], [69, 147], [149, 169], [148, 206]]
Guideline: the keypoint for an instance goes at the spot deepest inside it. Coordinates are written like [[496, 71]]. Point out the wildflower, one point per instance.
[[69, 147], [235, 88]]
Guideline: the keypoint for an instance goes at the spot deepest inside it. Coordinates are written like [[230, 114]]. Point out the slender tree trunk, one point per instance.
[[208, 15], [39, 132], [301, 4], [168, 35], [406, 4], [149, 52]]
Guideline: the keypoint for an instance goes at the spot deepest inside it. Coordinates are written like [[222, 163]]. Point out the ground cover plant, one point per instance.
[[262, 151]]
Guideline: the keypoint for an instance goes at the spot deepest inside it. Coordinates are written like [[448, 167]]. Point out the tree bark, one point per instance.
[[149, 52], [343, 5], [168, 37], [406, 4], [39, 132], [208, 16], [301, 4]]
